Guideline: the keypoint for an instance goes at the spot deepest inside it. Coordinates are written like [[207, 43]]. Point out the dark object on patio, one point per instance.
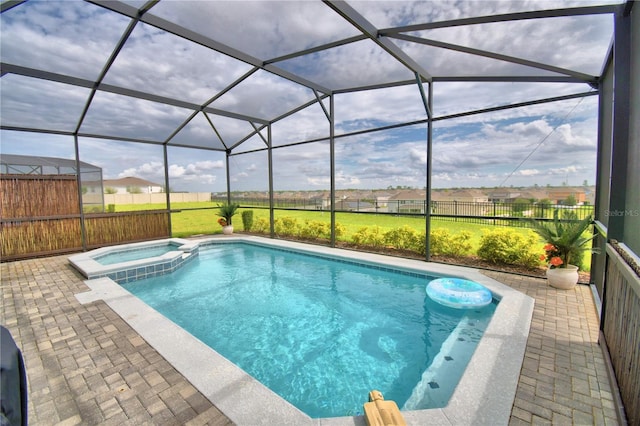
[[13, 382]]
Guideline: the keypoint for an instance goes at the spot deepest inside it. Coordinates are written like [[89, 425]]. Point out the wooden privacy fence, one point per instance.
[[29, 196], [109, 229], [40, 215], [621, 328], [29, 238]]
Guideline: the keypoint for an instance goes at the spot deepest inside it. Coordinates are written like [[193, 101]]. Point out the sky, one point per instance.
[[549, 144]]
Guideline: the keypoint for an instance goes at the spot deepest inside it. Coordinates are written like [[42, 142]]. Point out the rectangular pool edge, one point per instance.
[[484, 395]]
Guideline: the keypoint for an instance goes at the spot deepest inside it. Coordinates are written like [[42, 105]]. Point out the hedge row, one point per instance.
[[499, 246]]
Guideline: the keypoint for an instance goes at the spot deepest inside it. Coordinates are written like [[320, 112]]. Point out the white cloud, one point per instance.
[[529, 172], [159, 62], [346, 181], [175, 171], [275, 28], [376, 107], [31, 30], [179, 175], [32, 103], [319, 182], [237, 176], [264, 95]]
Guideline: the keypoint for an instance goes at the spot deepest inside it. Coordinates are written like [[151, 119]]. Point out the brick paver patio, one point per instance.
[[85, 365]]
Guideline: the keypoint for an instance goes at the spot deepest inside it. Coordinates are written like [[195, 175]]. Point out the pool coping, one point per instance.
[[484, 395], [123, 272]]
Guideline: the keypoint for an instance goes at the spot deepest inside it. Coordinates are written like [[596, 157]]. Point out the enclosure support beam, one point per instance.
[[620, 138], [427, 101], [272, 225], [332, 161], [227, 155], [427, 210], [603, 168], [83, 232], [517, 16], [167, 190], [326, 113]]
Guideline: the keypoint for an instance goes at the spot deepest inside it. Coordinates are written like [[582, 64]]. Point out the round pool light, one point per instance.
[[459, 293]]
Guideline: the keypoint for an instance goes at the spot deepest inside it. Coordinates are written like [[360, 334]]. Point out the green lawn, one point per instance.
[[193, 222], [196, 222]]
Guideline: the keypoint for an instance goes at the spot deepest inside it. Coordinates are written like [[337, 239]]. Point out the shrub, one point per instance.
[[262, 226], [366, 236], [510, 247], [420, 243], [286, 225], [401, 238], [314, 229], [247, 219], [444, 243]]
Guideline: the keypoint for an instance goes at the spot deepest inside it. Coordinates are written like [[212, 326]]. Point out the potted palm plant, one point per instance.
[[226, 212], [565, 242]]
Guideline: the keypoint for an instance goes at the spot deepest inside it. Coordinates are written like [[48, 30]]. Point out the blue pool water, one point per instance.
[[320, 333], [134, 254]]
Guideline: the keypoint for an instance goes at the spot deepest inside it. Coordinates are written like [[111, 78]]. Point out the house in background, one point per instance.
[[469, 201], [504, 195], [382, 199], [534, 194], [409, 201], [469, 195], [558, 195], [132, 185]]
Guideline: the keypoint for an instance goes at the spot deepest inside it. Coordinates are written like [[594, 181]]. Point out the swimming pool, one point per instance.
[[483, 395], [319, 332]]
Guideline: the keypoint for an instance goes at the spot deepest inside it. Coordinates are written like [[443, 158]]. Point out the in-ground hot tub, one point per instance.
[[130, 262]]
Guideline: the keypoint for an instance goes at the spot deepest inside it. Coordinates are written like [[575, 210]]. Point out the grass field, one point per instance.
[[202, 220], [194, 222]]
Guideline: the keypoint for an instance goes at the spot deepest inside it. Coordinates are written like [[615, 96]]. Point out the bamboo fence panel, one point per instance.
[[103, 229], [40, 237], [25, 196], [35, 212], [622, 332]]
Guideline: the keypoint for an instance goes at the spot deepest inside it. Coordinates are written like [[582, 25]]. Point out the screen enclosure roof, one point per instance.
[[214, 74]]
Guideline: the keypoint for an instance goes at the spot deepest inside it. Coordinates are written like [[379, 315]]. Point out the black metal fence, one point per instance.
[[487, 213]]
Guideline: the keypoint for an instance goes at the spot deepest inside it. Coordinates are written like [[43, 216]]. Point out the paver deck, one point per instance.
[[85, 365]]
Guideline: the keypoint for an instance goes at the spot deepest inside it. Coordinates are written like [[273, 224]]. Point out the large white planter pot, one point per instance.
[[563, 278], [227, 230]]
